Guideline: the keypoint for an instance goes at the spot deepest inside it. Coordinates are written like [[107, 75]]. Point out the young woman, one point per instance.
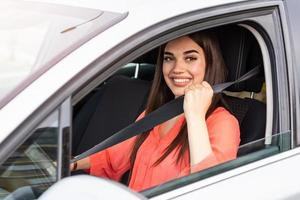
[[204, 136]]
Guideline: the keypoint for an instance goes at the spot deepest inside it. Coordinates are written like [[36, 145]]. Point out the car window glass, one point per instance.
[[32, 168]]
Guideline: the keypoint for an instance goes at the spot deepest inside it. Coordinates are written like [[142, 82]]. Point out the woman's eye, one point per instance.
[[167, 59], [189, 59]]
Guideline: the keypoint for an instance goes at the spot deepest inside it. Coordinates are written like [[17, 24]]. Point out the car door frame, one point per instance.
[[278, 73], [291, 29]]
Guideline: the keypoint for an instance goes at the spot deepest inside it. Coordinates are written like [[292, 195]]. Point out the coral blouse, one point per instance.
[[224, 136]]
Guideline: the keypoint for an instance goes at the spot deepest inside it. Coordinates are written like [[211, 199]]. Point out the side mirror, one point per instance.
[[88, 188]]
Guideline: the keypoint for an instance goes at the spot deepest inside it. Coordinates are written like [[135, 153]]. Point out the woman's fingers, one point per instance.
[[204, 88], [206, 84], [197, 99]]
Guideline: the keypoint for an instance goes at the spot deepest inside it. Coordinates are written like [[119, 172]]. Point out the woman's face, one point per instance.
[[183, 65]]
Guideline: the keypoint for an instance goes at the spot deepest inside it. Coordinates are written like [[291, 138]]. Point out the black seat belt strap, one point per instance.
[[160, 115]]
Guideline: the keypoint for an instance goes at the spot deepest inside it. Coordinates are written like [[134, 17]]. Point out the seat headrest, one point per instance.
[[241, 53]]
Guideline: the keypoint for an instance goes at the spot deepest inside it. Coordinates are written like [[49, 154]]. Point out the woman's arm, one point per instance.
[[110, 163], [197, 100]]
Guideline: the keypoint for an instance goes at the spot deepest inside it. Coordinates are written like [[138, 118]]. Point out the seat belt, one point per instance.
[[158, 116]]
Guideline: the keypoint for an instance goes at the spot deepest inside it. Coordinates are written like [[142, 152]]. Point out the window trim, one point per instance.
[[64, 138], [268, 78], [290, 23]]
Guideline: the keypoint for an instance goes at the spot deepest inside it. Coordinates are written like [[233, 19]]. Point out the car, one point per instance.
[[74, 73]]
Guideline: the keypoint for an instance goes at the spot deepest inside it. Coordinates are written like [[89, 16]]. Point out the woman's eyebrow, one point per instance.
[[186, 52], [190, 51], [168, 53]]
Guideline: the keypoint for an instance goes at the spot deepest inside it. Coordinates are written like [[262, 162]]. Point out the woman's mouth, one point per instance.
[[181, 82]]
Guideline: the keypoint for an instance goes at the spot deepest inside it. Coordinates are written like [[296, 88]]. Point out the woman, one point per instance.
[[203, 136]]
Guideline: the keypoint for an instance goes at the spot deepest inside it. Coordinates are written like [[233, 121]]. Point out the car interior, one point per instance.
[[118, 101]]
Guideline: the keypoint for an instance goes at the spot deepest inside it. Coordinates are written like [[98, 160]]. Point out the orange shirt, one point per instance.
[[224, 136]]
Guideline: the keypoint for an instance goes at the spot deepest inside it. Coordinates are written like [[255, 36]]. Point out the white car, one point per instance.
[[73, 73]]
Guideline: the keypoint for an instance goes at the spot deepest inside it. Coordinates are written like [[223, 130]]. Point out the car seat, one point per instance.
[[110, 108], [242, 53]]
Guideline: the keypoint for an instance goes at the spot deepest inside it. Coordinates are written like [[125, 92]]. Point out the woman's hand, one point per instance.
[[73, 166], [197, 100], [80, 164]]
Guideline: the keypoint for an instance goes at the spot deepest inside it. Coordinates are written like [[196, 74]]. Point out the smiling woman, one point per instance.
[[204, 136]]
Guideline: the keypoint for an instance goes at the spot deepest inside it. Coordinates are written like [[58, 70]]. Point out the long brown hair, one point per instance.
[[160, 94]]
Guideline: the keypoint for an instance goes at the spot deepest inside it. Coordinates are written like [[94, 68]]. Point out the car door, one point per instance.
[[263, 20], [266, 22]]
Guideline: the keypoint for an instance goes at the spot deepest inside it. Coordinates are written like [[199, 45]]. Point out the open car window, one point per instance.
[[118, 101], [259, 138]]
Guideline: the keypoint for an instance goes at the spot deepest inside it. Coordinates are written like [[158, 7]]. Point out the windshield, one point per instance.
[[37, 35]]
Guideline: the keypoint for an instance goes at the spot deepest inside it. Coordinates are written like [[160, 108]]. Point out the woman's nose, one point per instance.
[[178, 66]]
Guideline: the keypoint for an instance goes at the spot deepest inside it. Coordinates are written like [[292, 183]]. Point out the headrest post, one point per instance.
[[136, 72]]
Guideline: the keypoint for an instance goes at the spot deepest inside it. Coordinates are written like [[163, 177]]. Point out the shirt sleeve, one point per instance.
[[114, 161], [224, 136]]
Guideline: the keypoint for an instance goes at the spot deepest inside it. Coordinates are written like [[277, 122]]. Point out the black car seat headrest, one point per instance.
[[241, 53]]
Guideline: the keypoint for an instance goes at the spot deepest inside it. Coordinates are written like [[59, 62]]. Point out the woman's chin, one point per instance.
[[178, 94]]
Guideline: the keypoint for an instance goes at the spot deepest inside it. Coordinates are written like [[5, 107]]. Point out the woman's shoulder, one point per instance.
[[221, 113], [222, 121]]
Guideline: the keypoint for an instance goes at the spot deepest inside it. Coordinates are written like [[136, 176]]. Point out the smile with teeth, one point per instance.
[[181, 81], [177, 80]]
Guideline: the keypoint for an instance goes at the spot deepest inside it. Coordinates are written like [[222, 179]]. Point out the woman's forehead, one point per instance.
[[183, 43]]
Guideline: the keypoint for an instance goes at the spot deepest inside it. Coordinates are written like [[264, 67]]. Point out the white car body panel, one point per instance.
[[235, 183], [274, 186]]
